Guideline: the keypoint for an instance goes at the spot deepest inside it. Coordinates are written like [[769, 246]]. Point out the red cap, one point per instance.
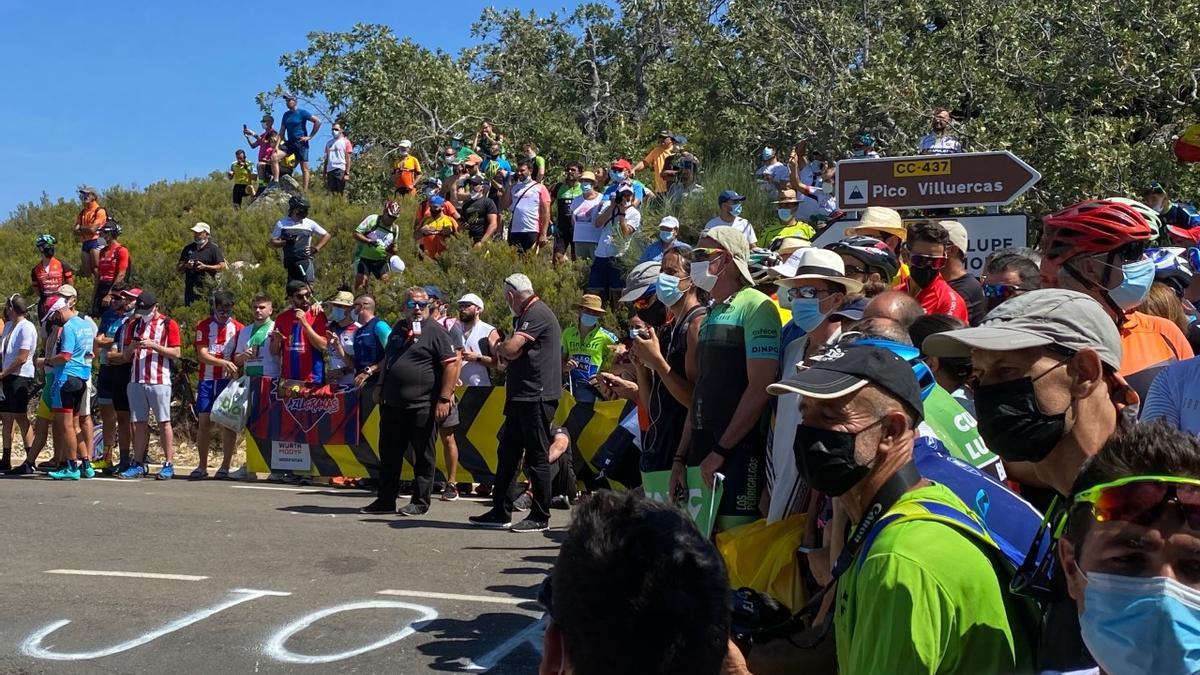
[[621, 165], [134, 293]]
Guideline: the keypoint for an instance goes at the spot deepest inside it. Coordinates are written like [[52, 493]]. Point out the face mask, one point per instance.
[[588, 320], [142, 313], [654, 315], [701, 276], [336, 133], [735, 210], [666, 236], [337, 314], [667, 290], [858, 152], [1141, 624], [354, 315], [826, 459], [617, 176], [1139, 276], [923, 275], [587, 185], [806, 313], [1013, 425], [784, 214]]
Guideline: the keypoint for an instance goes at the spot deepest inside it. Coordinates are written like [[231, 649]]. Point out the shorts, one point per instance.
[[335, 181], [207, 392], [523, 240], [605, 275], [563, 235], [68, 395], [451, 420], [297, 148], [16, 394], [301, 270], [144, 398], [584, 250], [92, 245], [375, 268], [239, 193], [118, 386]]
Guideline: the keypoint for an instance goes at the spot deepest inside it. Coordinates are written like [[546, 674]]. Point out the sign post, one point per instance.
[[933, 181]]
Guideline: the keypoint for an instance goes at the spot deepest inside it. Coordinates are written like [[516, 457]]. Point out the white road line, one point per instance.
[[133, 575], [268, 487], [494, 599]]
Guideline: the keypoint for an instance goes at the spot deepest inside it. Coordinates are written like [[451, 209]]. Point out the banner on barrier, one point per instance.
[[335, 432]]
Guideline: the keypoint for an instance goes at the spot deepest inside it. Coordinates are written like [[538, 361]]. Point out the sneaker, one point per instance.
[[24, 469], [135, 470], [6, 465], [119, 469], [102, 466], [413, 510], [50, 465], [241, 474], [68, 472], [167, 472], [530, 525], [483, 489], [491, 519], [377, 507], [560, 502], [523, 502], [198, 474], [86, 470], [288, 478], [450, 493]]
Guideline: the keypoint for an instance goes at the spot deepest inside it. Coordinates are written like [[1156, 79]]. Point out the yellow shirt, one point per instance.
[[433, 244], [243, 173], [655, 160], [405, 170]]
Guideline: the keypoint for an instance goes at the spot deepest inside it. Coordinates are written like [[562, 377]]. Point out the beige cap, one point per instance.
[[67, 291], [733, 241], [958, 233], [202, 227]]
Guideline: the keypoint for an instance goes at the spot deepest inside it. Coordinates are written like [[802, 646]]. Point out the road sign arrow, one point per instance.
[[934, 181]]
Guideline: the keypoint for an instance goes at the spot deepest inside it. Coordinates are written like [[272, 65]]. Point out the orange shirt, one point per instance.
[[434, 244], [89, 220], [1148, 340]]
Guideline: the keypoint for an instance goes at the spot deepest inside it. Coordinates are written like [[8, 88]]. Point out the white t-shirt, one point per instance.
[[820, 203], [584, 212], [774, 171], [612, 241], [265, 359], [308, 227], [17, 336], [337, 149], [738, 222], [1174, 396], [527, 199], [939, 145]]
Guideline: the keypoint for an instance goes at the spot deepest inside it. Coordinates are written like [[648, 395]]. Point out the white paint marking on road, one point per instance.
[[532, 635], [32, 646], [269, 487], [132, 575], [494, 599], [276, 650]]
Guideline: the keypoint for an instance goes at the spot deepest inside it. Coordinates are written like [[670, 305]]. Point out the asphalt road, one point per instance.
[[270, 581]]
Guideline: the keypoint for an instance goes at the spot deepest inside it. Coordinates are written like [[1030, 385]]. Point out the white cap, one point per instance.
[[471, 298], [958, 233], [669, 221], [202, 227], [519, 283], [406, 144]]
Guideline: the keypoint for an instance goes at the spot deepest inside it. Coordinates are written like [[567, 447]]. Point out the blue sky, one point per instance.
[[131, 93]]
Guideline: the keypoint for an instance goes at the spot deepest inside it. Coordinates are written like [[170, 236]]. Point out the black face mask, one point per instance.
[[923, 275], [655, 315], [1013, 425], [826, 459]]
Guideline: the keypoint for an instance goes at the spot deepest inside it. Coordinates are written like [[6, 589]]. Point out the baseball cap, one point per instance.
[[669, 222], [67, 291], [134, 293], [89, 189], [621, 165], [1041, 318], [879, 219], [343, 298], [730, 196], [680, 139], [731, 240], [471, 299], [842, 371], [146, 300], [958, 233], [815, 263], [434, 292], [664, 133], [640, 279], [1155, 187], [437, 200], [289, 96], [473, 160], [852, 310], [201, 227], [406, 143], [477, 179]]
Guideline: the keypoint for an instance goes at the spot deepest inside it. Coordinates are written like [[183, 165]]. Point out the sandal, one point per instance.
[[221, 474], [198, 474]]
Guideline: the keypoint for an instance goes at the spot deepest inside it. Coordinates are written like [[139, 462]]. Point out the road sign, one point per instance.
[[985, 235], [933, 181]]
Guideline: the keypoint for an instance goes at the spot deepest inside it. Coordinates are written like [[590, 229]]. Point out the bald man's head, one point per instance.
[[880, 328], [895, 305]]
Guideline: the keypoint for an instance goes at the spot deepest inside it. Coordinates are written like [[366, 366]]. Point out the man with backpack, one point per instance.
[[898, 600]]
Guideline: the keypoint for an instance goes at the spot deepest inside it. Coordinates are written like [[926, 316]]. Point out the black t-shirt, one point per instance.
[[972, 293], [209, 255], [474, 215], [413, 365], [536, 375]]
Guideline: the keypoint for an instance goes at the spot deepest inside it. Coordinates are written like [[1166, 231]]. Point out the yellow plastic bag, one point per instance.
[[763, 556]]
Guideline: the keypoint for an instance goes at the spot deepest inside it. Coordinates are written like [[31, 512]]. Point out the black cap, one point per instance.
[[843, 371], [477, 179], [146, 300]]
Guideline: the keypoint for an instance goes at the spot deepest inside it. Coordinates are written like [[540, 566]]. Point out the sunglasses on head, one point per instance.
[[933, 262], [414, 304], [1143, 499], [806, 293], [705, 254], [1002, 291]]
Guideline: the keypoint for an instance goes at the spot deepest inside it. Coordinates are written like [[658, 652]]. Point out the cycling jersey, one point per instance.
[[49, 275], [743, 328], [380, 235], [590, 353], [114, 261]]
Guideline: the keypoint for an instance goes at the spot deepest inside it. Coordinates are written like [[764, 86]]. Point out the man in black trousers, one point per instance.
[[420, 370], [534, 357]]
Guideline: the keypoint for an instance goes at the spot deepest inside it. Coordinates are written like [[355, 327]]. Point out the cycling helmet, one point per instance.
[[391, 209], [45, 241], [1151, 216], [113, 227], [1171, 267], [760, 263], [864, 138], [869, 251], [1092, 226], [1184, 236], [300, 203]]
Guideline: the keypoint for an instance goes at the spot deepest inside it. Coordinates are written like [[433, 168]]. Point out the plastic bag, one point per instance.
[[232, 406], [762, 556]]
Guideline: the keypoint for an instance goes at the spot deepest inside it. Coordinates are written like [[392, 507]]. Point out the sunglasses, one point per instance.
[[1142, 499], [705, 254], [1002, 291], [414, 304], [933, 262], [303, 296], [806, 293]]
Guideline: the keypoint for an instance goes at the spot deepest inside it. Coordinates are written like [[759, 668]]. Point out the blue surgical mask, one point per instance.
[[586, 185], [588, 320], [616, 176], [1141, 624], [736, 210], [1139, 277], [666, 235], [806, 313], [338, 314], [667, 289], [784, 214]]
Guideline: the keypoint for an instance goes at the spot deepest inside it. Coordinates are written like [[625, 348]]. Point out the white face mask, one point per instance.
[[701, 277]]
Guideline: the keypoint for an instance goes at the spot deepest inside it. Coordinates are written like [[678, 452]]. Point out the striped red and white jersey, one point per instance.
[[218, 339], [150, 367]]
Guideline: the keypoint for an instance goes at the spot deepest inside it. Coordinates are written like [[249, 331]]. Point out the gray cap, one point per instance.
[[640, 279], [1051, 316]]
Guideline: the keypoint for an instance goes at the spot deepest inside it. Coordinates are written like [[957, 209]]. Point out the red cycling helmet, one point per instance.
[[1092, 226], [391, 209]]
